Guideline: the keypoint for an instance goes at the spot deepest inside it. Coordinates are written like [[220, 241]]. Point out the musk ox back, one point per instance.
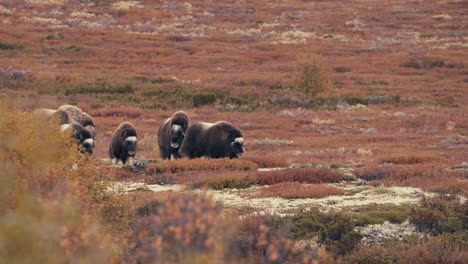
[[218, 140], [58, 116], [171, 134], [124, 143], [75, 114], [82, 136]]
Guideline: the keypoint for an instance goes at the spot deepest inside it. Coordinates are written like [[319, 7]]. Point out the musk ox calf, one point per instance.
[[124, 143], [75, 114], [82, 136], [171, 134], [217, 140]]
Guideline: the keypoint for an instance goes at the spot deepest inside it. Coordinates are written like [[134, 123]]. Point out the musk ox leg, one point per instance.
[[173, 156], [114, 161], [129, 161]]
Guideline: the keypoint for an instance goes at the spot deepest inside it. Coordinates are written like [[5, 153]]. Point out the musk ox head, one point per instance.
[[131, 144], [82, 136], [177, 136], [237, 148]]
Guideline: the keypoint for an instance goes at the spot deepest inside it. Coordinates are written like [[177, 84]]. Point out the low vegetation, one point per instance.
[[200, 164], [334, 230], [307, 175], [441, 214], [295, 190]]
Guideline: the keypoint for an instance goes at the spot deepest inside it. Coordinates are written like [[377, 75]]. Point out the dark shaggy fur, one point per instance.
[[171, 134], [216, 140], [75, 114], [121, 147], [81, 135]]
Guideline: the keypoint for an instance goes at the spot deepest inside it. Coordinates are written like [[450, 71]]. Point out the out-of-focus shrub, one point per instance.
[[47, 208]]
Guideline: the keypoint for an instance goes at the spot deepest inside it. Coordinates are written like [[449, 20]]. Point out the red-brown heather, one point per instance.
[[319, 89]]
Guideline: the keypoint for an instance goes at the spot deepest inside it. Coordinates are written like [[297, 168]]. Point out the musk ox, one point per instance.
[[75, 114], [81, 135], [171, 134], [124, 143], [217, 140], [59, 116]]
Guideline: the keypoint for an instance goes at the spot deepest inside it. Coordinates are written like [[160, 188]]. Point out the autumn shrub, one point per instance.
[[306, 175], [334, 230], [266, 160], [406, 159], [295, 190], [182, 228], [312, 76], [50, 194], [175, 166], [440, 214], [373, 173]]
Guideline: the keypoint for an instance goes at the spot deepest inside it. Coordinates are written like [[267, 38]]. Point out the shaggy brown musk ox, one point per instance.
[[81, 135], [171, 134], [75, 114], [218, 140], [124, 143]]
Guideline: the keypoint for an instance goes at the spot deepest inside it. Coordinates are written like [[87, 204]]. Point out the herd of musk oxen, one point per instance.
[[177, 137]]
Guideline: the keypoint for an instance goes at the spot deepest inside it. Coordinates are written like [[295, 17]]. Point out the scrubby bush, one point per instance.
[[334, 230], [312, 76], [266, 239], [373, 173], [182, 229], [419, 251], [441, 214]]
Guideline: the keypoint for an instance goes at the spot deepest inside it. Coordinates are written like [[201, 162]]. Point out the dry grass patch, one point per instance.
[[295, 190]]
